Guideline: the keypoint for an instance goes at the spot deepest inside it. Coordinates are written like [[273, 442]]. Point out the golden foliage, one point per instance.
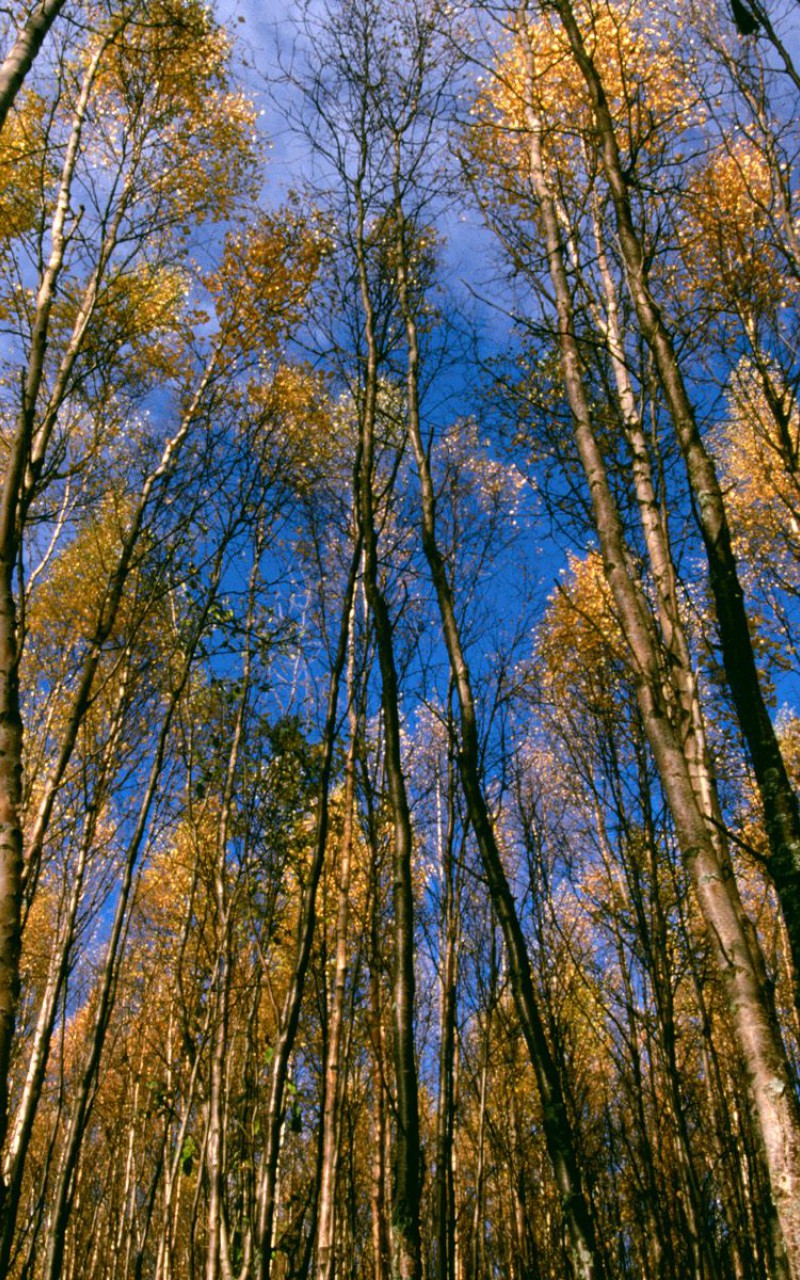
[[163, 94], [41, 929], [579, 642], [22, 149], [139, 322], [641, 71], [262, 283], [725, 233], [295, 407], [68, 603], [759, 451]]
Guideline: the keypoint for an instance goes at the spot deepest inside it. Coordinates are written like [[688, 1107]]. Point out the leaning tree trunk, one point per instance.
[[19, 59], [12, 501]]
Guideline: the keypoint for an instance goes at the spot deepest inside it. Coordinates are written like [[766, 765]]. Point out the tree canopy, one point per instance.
[[399, 600]]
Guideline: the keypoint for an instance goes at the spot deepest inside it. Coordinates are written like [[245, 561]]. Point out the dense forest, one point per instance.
[[399, 624]]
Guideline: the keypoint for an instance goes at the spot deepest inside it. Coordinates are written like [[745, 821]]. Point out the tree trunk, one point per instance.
[[10, 826], [379, 1126], [11, 500], [478, 1209], [407, 1187], [82, 1101]]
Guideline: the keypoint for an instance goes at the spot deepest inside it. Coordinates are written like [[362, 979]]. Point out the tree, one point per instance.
[[350, 40], [50, 367], [664, 706], [781, 808]]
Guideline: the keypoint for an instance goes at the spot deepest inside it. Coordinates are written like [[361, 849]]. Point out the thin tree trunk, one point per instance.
[[80, 703], [379, 1126], [653, 943], [478, 1210], [25, 1114], [10, 825], [217, 1262], [407, 1184], [172, 1165], [332, 1110], [445, 1119], [584, 1253], [290, 1014], [81, 1104], [10, 542]]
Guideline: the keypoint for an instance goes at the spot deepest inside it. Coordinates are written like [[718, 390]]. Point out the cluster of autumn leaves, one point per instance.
[[369, 906]]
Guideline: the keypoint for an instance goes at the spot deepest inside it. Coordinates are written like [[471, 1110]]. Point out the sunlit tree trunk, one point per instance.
[[10, 826], [171, 1182], [61, 1201], [651, 931], [12, 501], [225, 897], [661, 977], [19, 59], [60, 959], [752, 1232]]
